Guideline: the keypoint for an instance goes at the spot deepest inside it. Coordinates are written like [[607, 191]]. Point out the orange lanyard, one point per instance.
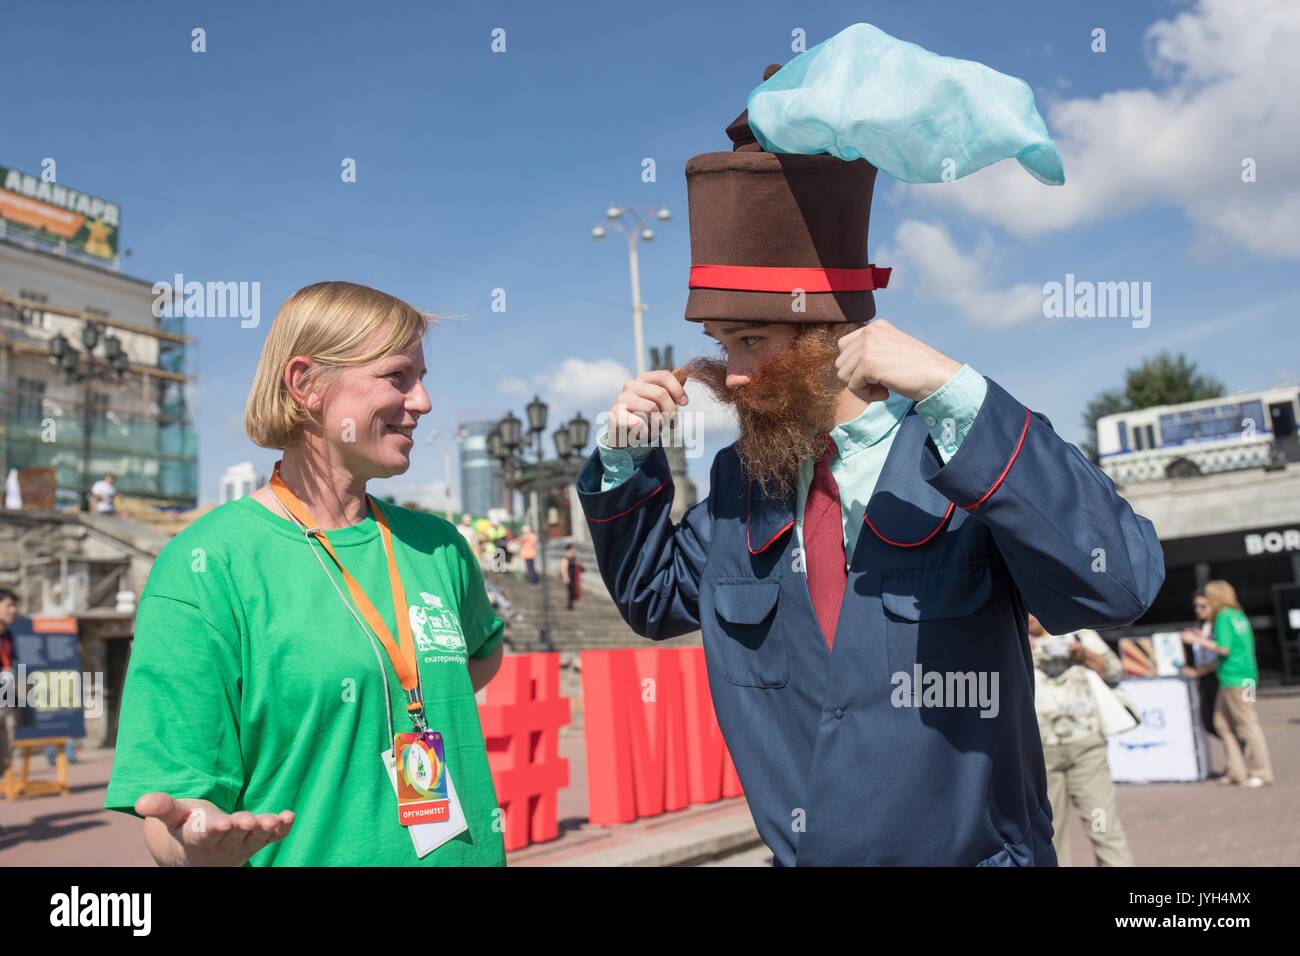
[[402, 651]]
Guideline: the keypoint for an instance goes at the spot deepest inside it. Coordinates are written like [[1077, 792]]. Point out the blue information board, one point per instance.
[[49, 682]]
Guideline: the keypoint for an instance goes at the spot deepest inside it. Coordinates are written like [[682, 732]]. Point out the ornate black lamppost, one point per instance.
[[86, 367], [511, 446]]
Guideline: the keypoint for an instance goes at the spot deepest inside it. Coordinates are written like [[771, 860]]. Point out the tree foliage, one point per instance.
[[1163, 380]]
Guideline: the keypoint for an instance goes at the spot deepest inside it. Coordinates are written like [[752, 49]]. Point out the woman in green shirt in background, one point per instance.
[[259, 708], [1235, 717]]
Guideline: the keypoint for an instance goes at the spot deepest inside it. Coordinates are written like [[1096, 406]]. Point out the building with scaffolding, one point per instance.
[[63, 424]]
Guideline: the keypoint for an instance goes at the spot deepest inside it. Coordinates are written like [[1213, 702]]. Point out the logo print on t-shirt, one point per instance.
[[434, 626]]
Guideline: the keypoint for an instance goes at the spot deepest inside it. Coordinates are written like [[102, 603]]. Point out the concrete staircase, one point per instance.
[[594, 623]]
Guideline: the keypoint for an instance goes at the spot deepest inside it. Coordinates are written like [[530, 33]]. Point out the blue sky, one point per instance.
[[479, 171]]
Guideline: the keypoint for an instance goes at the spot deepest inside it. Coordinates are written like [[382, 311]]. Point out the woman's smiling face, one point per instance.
[[369, 412]]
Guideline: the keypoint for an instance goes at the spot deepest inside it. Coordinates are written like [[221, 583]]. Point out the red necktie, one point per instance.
[[823, 541]]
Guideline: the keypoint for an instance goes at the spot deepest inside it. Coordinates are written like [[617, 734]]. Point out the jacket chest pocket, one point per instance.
[[938, 617], [751, 641]]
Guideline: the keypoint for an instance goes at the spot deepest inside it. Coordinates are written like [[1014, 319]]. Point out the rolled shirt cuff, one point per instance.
[[950, 412], [618, 464]]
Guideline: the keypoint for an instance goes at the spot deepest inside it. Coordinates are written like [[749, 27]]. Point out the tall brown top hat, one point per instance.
[[764, 225]]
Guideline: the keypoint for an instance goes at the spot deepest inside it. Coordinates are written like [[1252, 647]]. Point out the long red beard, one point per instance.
[[783, 408]]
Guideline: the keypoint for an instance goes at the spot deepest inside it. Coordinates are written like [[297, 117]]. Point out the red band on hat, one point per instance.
[[780, 279]]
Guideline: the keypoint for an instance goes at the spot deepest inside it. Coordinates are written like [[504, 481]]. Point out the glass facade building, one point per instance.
[[480, 475]]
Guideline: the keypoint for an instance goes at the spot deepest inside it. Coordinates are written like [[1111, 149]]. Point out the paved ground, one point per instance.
[[75, 831], [1203, 824], [1168, 824]]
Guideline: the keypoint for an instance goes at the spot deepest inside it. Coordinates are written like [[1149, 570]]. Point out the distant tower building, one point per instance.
[[240, 480], [480, 475], [686, 493]]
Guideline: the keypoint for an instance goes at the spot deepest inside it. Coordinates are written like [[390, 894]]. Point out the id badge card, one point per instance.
[[427, 805], [422, 793]]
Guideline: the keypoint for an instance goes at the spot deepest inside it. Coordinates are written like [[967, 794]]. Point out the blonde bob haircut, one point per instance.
[[1221, 594], [335, 324]]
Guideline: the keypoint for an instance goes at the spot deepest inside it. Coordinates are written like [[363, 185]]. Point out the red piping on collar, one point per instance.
[[634, 506], [910, 544], [749, 493], [994, 487]]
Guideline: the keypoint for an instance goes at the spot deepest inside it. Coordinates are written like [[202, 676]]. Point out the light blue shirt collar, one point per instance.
[[876, 422]]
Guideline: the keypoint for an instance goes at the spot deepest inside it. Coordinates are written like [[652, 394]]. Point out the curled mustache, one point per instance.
[[783, 410]]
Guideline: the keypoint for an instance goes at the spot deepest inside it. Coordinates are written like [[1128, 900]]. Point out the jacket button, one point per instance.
[[839, 712]]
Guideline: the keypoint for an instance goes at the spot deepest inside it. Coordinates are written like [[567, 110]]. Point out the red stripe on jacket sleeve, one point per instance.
[[634, 506], [994, 487]]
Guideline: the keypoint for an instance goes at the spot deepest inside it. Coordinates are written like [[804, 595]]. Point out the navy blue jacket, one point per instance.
[[837, 771]]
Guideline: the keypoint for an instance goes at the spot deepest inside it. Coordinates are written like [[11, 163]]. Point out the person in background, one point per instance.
[[528, 552], [8, 614], [69, 750], [466, 529], [500, 547], [571, 574], [486, 542], [13, 491], [1205, 662], [102, 494], [1235, 717], [1074, 749]]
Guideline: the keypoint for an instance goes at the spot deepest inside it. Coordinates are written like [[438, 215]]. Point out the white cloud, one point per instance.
[[583, 384], [1230, 74], [925, 252], [513, 386]]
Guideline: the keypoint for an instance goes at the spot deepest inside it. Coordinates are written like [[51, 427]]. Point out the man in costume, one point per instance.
[[870, 547]]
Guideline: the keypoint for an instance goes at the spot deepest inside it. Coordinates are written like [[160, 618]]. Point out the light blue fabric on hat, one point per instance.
[[863, 94]]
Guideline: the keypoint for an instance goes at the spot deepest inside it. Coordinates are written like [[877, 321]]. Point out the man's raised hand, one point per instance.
[[647, 404], [880, 357]]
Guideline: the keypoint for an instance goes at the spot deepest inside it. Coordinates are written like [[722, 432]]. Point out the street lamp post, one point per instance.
[[508, 444], [64, 356], [434, 434], [636, 231]]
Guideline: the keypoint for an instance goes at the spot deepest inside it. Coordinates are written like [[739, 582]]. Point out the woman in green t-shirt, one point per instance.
[[284, 639], [1235, 717]]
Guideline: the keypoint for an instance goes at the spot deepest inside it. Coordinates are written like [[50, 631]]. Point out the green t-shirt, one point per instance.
[[251, 685], [1232, 630]]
